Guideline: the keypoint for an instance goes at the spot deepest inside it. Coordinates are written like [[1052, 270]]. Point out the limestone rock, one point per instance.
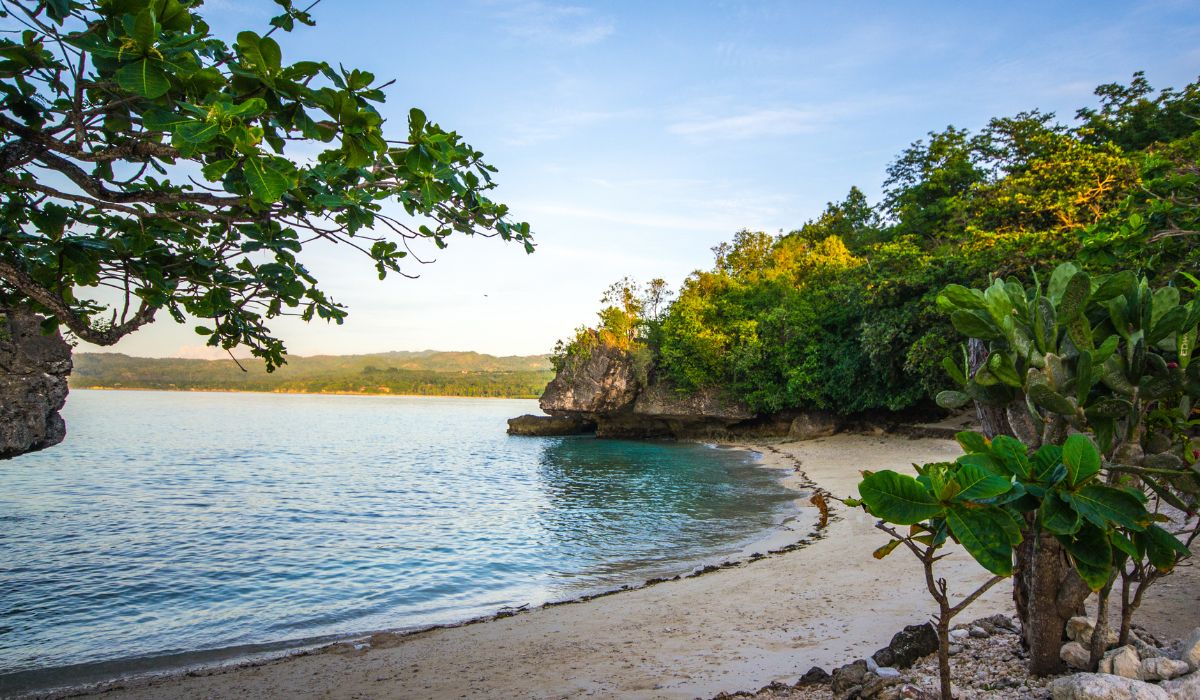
[[1102, 686], [816, 674], [33, 384], [548, 425], [813, 424], [604, 382], [1125, 662], [1185, 688], [662, 400], [1079, 629], [1161, 669], [1075, 655], [1190, 652], [978, 632], [874, 685]]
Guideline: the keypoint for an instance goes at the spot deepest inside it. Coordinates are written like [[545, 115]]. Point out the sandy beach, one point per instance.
[[739, 628]]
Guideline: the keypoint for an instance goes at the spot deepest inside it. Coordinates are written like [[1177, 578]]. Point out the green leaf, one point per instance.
[[973, 324], [885, 549], [897, 498], [1170, 322], [978, 483], [1091, 553], [217, 169], [972, 441], [1045, 460], [1109, 407], [1051, 400], [951, 400], [955, 372], [198, 132], [1059, 279], [1001, 366], [1074, 298], [266, 183], [1162, 549], [1081, 457], [1104, 506], [144, 78], [1113, 285], [981, 534], [1057, 516], [1011, 453]]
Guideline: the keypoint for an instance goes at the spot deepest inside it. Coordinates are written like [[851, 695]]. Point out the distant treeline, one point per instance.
[[426, 373]]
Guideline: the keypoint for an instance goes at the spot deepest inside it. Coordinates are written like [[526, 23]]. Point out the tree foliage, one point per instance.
[[142, 154]]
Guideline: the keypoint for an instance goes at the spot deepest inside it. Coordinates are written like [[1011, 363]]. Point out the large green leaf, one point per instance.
[[974, 324], [145, 78], [266, 183], [1057, 516], [1081, 457], [1045, 460], [978, 483], [1091, 553], [1074, 298], [951, 400], [1104, 506], [1051, 400], [1162, 548], [981, 534], [898, 498], [972, 441], [1059, 279], [1113, 285], [1011, 454]]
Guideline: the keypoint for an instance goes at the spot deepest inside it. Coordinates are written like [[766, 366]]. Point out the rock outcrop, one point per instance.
[[33, 384], [544, 426], [610, 390]]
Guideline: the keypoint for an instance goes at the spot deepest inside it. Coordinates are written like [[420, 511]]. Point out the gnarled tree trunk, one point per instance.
[[33, 383]]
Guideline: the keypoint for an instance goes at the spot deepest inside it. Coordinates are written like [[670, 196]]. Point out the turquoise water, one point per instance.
[[175, 522]]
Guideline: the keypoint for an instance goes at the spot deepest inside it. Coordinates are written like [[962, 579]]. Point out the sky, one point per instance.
[[634, 136]]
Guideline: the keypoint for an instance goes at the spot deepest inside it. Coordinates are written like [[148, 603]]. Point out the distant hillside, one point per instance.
[[424, 373]]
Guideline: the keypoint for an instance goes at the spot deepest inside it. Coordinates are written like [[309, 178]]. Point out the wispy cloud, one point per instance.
[[540, 22], [763, 122], [555, 126]]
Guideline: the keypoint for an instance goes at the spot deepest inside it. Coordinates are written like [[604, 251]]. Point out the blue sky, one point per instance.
[[635, 136]]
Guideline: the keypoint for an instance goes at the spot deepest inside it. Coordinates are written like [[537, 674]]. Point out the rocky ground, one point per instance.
[[987, 661]]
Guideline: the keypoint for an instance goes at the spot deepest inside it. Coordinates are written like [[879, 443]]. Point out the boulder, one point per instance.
[[814, 675], [874, 684], [813, 424], [1125, 662], [1185, 688], [848, 676], [1080, 629], [33, 384], [911, 643], [1075, 655], [603, 382], [1161, 669], [1190, 652], [542, 426], [1102, 686]]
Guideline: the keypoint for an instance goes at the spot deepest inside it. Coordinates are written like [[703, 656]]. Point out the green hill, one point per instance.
[[424, 373]]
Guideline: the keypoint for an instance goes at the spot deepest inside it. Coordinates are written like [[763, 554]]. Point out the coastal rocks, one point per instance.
[[910, 644], [1080, 629], [662, 401], [33, 384], [848, 677], [1102, 686], [814, 675], [604, 382], [1123, 662], [1161, 669], [1185, 688], [813, 424], [543, 426]]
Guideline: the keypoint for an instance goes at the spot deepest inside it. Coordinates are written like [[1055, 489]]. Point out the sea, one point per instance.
[[172, 528]]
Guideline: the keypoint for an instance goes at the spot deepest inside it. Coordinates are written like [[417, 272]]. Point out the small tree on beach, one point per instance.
[[141, 155]]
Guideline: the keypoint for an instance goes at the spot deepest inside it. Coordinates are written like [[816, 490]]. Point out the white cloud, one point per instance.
[[763, 122], [540, 22]]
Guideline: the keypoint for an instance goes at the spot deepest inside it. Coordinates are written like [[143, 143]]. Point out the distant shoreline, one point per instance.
[[289, 391]]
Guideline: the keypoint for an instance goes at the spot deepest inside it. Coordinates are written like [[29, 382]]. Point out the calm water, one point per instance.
[[173, 522]]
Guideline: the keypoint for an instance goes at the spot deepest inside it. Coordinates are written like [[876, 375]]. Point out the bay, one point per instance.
[[173, 522]]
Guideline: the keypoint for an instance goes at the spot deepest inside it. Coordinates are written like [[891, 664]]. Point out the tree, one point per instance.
[[144, 156]]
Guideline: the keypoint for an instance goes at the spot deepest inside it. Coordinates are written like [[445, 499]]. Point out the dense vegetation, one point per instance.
[[427, 373], [840, 314]]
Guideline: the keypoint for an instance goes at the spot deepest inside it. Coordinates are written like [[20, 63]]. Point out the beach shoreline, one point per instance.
[[747, 624]]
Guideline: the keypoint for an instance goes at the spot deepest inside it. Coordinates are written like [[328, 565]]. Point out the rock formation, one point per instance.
[[33, 384]]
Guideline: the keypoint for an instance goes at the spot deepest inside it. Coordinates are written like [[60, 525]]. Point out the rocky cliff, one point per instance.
[[606, 392], [33, 384]]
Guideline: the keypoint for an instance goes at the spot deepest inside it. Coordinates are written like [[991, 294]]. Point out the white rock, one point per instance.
[[1161, 669], [1075, 655], [1126, 663], [887, 672], [1186, 688], [1191, 650], [955, 649], [1079, 629], [1101, 686], [872, 667], [959, 634], [979, 633]]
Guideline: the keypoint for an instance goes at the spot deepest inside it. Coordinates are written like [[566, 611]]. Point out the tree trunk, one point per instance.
[[993, 420], [943, 632], [1055, 593], [33, 383]]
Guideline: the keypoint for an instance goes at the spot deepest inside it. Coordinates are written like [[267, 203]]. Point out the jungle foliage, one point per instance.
[[841, 314]]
